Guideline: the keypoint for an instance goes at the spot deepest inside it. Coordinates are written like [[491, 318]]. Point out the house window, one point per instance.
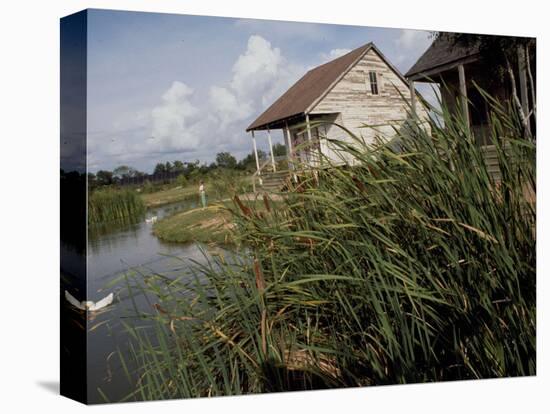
[[373, 83]]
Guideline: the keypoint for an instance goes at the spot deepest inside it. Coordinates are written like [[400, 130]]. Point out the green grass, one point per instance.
[[414, 266], [168, 196], [114, 206], [218, 185], [210, 225], [214, 224]]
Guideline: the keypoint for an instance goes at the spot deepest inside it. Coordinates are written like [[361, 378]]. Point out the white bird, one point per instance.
[[151, 220], [89, 305]]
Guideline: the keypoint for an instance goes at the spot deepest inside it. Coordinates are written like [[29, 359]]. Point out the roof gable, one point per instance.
[[309, 89], [373, 49]]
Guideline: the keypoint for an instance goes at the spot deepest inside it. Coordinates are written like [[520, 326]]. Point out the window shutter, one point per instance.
[[373, 83]]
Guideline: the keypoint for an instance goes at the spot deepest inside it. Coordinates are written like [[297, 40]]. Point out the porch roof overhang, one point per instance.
[[443, 55], [278, 123], [431, 75], [293, 121]]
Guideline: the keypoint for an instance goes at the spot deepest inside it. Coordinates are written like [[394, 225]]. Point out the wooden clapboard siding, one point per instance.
[[352, 98], [339, 92], [491, 161], [333, 131], [490, 156]]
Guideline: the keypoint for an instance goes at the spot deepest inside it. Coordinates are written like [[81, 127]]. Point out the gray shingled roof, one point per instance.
[[442, 51], [308, 89]]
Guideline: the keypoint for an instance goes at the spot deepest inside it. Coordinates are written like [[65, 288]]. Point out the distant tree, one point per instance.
[[168, 167], [125, 171], [160, 168], [279, 150], [190, 167], [194, 174], [226, 160], [104, 177], [203, 169], [249, 162], [181, 180], [92, 182], [178, 166], [121, 171]]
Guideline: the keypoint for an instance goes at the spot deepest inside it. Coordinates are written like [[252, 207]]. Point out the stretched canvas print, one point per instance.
[[253, 206]]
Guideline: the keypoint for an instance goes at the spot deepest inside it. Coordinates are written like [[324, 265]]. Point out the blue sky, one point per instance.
[[165, 87]]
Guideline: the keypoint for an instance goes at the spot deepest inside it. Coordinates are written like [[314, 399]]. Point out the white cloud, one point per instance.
[[333, 54], [256, 69], [183, 122], [260, 75], [173, 120], [411, 43], [227, 106], [413, 39]]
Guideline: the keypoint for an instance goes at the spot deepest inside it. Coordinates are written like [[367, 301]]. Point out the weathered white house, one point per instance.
[[357, 89]]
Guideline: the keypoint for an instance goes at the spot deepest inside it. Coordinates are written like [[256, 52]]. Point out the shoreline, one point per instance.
[[209, 225], [212, 224]]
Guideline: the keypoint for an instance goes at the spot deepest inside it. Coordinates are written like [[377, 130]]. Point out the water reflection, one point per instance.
[[134, 251]]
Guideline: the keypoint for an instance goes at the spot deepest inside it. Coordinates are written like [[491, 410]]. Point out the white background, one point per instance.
[[29, 192]]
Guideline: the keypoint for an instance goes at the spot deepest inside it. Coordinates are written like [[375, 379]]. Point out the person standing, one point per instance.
[[202, 194]]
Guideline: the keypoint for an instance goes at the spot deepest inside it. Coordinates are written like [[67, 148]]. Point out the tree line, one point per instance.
[[190, 170]]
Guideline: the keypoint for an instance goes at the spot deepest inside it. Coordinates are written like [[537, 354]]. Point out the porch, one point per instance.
[[461, 80], [460, 73], [304, 140]]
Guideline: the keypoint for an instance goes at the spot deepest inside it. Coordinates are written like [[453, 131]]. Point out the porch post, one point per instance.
[[289, 155], [271, 150], [256, 153], [308, 128], [463, 95], [413, 98], [325, 142], [523, 85]]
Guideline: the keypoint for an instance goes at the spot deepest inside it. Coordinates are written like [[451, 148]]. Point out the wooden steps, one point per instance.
[[491, 161], [273, 181]]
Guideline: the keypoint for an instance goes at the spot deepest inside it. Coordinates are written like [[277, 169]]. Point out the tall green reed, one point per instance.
[[415, 265], [114, 206]]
